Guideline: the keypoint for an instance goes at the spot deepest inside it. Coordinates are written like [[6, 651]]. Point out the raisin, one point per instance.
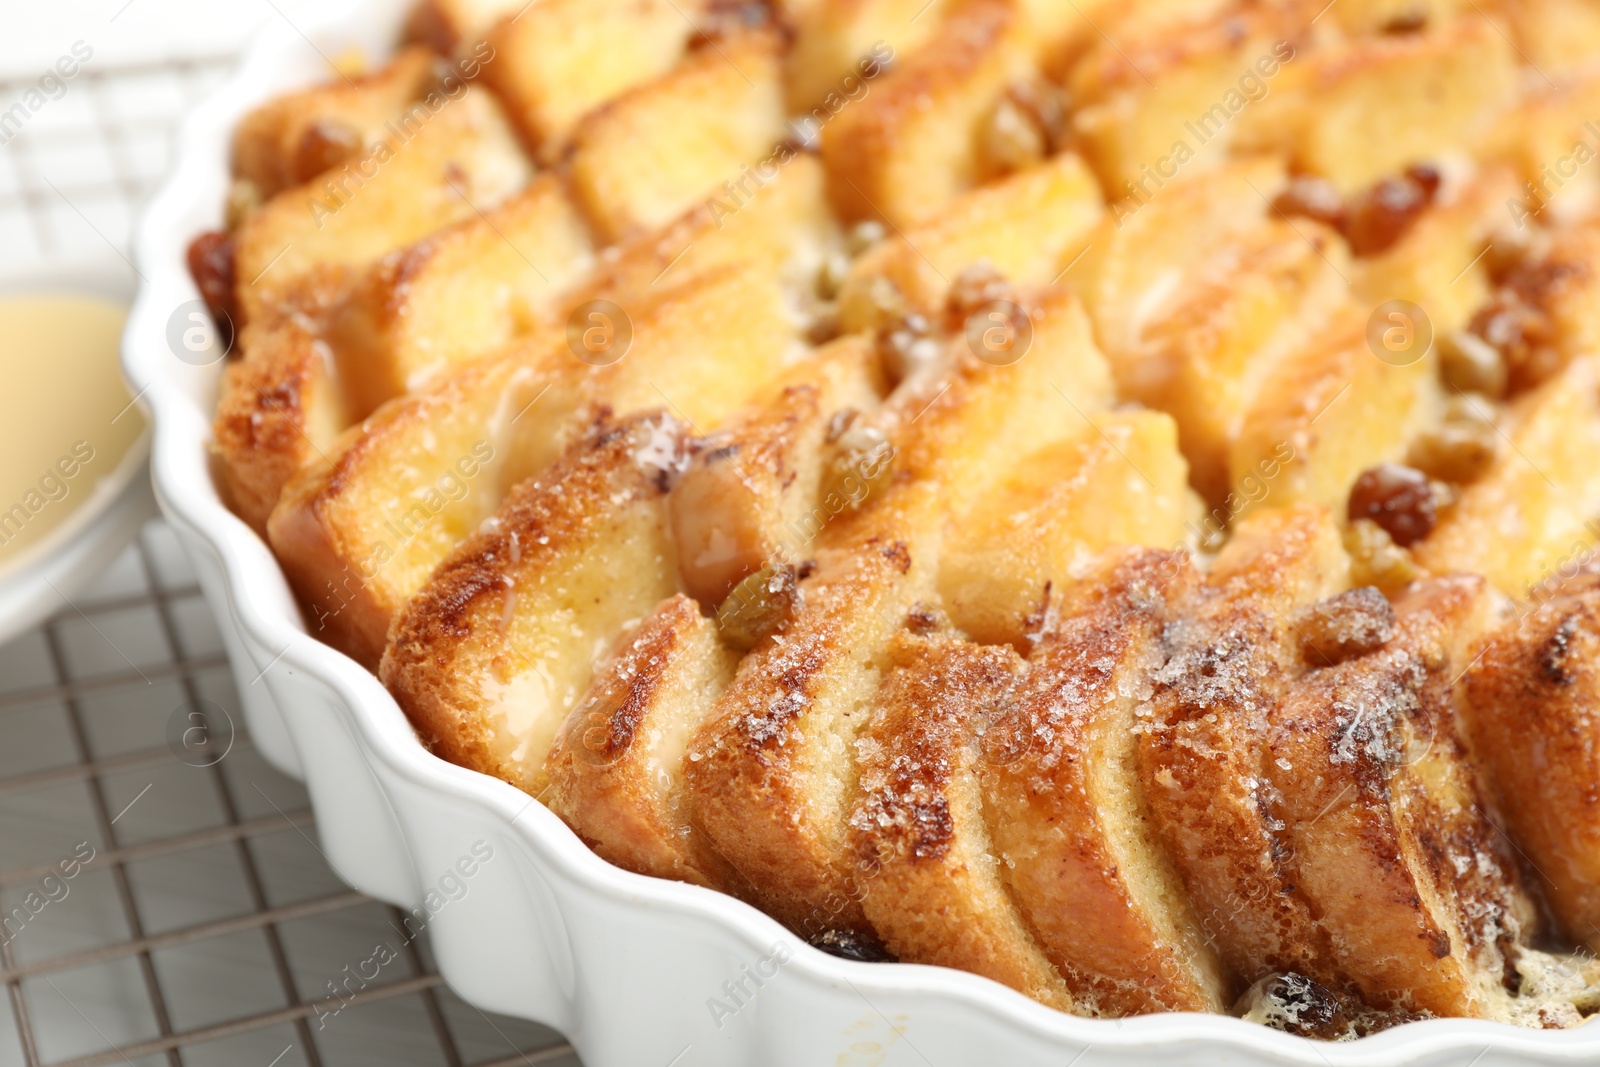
[[1463, 447], [1295, 1004], [908, 347], [1525, 337], [1313, 198], [861, 462], [211, 264], [759, 606], [973, 289], [1397, 498], [925, 618], [852, 946], [1012, 140], [1349, 624], [1383, 214], [1469, 363]]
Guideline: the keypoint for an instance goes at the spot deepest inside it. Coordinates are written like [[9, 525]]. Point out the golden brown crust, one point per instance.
[[1530, 709], [1066, 807], [359, 530], [933, 888], [616, 765], [279, 405], [1203, 749], [1386, 835], [491, 655], [909, 147], [779, 739], [704, 133], [267, 142]]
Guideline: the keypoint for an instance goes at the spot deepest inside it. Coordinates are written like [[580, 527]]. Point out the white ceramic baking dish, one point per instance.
[[637, 972]]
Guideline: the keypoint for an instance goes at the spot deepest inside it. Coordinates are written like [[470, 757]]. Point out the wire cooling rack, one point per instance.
[[162, 902]]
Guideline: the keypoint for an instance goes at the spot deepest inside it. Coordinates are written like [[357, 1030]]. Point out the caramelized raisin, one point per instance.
[[908, 347], [759, 606], [1313, 198], [1463, 447], [1397, 498], [1525, 337], [1349, 624], [1048, 106], [975, 287], [1469, 363], [861, 462], [1012, 140], [1383, 214], [211, 264], [1295, 1004], [852, 946]]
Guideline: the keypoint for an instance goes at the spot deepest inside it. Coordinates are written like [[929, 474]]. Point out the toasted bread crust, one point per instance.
[[934, 890], [344, 527], [453, 658], [1530, 708], [613, 778], [771, 744], [1203, 749], [1387, 834], [1066, 807], [279, 405]]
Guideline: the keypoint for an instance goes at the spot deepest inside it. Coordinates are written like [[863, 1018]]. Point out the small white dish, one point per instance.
[[44, 577]]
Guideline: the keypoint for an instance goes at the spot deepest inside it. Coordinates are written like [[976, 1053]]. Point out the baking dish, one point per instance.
[[636, 971]]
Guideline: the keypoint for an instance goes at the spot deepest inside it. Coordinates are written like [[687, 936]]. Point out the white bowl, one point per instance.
[[628, 967], [42, 578]]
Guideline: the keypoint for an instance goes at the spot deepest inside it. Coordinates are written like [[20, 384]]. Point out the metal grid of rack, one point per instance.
[[162, 896]]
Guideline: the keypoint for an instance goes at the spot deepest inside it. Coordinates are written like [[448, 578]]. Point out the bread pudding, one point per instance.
[[1099, 495]]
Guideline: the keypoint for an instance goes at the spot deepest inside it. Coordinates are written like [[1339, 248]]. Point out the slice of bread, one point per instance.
[[933, 886], [1530, 711], [459, 294], [287, 141], [558, 60], [752, 492], [1203, 748], [658, 150], [1382, 815], [1066, 806], [441, 161], [489, 658], [363, 526], [280, 407], [616, 767], [1544, 474], [1119, 481], [910, 146], [1027, 227], [1324, 412], [780, 740]]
